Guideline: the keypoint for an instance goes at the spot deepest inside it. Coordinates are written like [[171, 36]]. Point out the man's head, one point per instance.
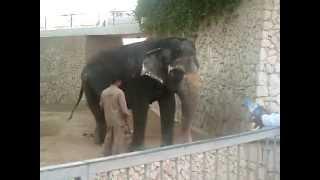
[[117, 82]]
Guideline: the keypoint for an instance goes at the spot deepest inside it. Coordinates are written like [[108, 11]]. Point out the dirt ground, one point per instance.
[[63, 141]]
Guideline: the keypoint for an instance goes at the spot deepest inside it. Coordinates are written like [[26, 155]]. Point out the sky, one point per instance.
[[54, 8], [58, 7]]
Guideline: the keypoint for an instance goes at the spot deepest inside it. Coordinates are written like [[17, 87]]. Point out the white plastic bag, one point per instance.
[[271, 119]]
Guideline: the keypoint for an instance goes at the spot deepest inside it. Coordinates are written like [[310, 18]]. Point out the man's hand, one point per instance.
[[101, 105]]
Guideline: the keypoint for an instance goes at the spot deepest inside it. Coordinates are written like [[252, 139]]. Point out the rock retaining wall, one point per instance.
[[239, 56]]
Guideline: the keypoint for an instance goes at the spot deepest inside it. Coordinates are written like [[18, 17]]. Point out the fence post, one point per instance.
[[238, 162], [267, 150], [161, 170], [177, 168], [204, 166], [258, 146], [113, 14], [71, 20], [274, 153], [127, 173], [228, 165], [190, 167], [216, 165], [248, 161], [45, 22]]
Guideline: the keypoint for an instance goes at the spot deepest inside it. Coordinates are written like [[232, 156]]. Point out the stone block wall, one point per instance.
[[97, 43], [268, 87], [233, 65], [61, 62]]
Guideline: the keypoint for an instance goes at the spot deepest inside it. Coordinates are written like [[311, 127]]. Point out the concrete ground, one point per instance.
[[63, 141]]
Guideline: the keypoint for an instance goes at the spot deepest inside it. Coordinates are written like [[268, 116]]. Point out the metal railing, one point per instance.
[[250, 155], [114, 18]]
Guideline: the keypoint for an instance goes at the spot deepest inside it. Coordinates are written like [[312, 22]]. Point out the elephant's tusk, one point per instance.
[[169, 68], [143, 71]]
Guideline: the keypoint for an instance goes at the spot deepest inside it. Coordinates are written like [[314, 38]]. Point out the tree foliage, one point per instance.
[[179, 16]]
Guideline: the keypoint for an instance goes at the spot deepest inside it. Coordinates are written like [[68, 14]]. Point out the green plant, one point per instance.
[[164, 17]]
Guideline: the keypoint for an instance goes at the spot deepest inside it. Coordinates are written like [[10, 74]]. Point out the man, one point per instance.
[[114, 104]]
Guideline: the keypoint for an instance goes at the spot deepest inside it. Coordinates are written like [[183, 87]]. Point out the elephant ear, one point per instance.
[[155, 63]]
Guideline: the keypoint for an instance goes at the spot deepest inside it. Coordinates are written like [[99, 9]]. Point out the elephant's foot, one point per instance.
[[98, 139], [136, 148], [186, 136]]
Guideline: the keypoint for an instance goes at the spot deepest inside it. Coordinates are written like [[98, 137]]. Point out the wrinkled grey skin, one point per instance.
[[153, 70]]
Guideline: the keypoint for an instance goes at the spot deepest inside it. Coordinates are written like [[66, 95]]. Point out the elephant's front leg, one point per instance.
[[167, 112], [139, 111]]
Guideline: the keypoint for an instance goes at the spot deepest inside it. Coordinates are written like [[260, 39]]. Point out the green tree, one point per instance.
[[179, 16]]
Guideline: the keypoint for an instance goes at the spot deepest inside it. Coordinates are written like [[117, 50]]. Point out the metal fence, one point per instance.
[[82, 20], [253, 155]]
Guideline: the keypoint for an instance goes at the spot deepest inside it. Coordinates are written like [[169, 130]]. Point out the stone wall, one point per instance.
[[95, 44], [61, 62], [230, 54], [268, 89]]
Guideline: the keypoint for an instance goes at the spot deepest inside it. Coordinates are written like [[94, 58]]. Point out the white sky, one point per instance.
[[58, 7]]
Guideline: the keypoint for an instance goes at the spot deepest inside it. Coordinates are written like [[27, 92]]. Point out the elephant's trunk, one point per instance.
[[188, 93]]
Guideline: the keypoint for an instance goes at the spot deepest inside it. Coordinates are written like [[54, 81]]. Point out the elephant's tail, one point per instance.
[[76, 105]]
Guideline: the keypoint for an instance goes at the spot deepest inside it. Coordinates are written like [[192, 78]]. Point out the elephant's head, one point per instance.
[[173, 63], [170, 61]]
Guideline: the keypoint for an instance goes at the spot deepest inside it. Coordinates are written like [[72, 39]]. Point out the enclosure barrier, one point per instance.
[[251, 155], [116, 18]]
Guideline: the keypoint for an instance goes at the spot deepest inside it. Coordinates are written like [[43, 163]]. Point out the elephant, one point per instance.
[[151, 70]]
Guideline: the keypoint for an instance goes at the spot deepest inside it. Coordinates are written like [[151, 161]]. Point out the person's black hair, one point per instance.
[[114, 80]]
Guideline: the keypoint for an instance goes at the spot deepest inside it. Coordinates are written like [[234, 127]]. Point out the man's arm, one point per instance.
[[123, 104], [101, 101]]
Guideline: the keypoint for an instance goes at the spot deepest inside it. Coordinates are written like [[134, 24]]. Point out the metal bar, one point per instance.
[[274, 153], [108, 175], [145, 171], [162, 153], [177, 168], [238, 162], [258, 160], [113, 18], [204, 166], [266, 175], [228, 168], [248, 162], [278, 171], [71, 20], [190, 166], [161, 170], [127, 173], [45, 22], [216, 165]]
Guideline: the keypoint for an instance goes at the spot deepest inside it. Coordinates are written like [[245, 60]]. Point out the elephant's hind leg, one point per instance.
[[93, 103]]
